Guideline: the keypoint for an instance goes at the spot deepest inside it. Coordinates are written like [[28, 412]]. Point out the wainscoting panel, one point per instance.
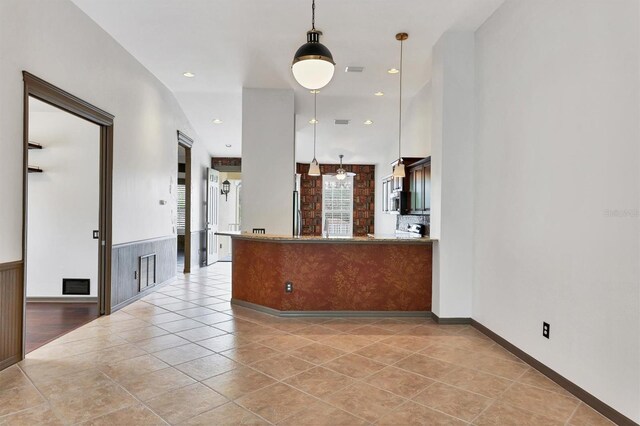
[[11, 294], [126, 264]]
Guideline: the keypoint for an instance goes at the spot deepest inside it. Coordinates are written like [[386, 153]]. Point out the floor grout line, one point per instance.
[[182, 292]]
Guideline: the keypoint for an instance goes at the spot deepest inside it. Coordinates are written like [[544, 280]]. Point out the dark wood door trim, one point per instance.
[[186, 142], [57, 97], [47, 92]]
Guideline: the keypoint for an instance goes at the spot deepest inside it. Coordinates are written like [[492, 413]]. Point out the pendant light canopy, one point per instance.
[[398, 170], [313, 64], [314, 167]]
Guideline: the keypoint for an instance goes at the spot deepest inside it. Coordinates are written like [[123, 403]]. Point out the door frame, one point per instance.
[[186, 142], [48, 93], [213, 208]]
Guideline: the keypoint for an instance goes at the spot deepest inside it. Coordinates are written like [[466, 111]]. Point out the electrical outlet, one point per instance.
[[546, 328], [288, 287]]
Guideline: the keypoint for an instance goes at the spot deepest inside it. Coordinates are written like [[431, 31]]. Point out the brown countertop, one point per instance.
[[371, 239]]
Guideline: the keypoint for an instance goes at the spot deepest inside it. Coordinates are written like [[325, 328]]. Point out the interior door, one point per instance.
[[213, 199]]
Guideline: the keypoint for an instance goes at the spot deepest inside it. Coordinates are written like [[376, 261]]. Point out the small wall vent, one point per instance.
[[341, 121], [354, 69], [147, 275], [76, 286]]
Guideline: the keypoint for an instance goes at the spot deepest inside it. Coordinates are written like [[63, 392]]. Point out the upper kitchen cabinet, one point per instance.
[[410, 194], [394, 198], [420, 187]]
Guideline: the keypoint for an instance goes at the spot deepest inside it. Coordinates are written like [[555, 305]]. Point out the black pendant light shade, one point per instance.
[[313, 64], [313, 49]]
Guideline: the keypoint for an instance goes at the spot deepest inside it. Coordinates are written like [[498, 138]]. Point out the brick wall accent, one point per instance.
[[363, 198]]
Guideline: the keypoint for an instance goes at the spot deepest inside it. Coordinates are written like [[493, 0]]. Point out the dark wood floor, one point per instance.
[[47, 321]]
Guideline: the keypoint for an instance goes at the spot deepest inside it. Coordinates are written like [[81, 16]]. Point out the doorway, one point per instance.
[[229, 211], [62, 250], [213, 203], [46, 93], [183, 203]]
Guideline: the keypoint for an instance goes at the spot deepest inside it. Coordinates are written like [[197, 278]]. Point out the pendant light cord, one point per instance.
[[315, 122], [313, 15], [400, 108]]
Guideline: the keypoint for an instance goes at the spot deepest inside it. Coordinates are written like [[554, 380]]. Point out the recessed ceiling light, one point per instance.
[[228, 145], [379, 94], [315, 91], [217, 121], [393, 70], [367, 122], [313, 121], [189, 74]]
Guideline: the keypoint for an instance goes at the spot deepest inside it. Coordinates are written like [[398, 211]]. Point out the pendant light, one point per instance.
[[313, 64], [398, 170], [314, 167]]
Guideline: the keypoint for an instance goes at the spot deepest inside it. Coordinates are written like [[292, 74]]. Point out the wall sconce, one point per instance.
[[226, 187]]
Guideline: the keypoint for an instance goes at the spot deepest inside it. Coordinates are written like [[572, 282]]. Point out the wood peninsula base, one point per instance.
[[383, 274]]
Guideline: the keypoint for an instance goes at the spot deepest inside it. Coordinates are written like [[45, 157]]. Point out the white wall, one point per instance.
[[416, 124], [557, 189], [54, 40], [267, 160], [63, 201], [453, 134]]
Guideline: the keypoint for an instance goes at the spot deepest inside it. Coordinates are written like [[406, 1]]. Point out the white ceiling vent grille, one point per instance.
[[354, 69], [341, 121]]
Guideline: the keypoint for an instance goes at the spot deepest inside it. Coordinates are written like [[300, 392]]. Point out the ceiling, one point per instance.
[[230, 44]]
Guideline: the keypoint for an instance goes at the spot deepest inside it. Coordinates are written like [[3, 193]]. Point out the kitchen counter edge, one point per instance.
[[379, 239]]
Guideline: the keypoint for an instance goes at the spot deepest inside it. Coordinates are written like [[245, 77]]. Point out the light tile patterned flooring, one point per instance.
[[184, 355]]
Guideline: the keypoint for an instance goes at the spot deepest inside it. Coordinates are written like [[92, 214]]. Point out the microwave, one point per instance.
[[398, 202]]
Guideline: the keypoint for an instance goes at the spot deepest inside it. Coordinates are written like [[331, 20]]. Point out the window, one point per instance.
[[337, 206], [181, 208]]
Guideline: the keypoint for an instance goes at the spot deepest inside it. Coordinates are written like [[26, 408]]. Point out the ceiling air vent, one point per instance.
[[341, 121], [354, 69]]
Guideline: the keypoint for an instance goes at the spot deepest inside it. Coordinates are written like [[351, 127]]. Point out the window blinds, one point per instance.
[[181, 207], [337, 206]]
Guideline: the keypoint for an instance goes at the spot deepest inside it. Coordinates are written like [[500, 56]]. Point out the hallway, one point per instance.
[[184, 355]]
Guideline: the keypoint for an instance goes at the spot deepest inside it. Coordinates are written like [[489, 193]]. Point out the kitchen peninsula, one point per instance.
[[381, 274]]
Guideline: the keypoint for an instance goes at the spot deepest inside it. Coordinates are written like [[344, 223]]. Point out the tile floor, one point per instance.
[[183, 355]]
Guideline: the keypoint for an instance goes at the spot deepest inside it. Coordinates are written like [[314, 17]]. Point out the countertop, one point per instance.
[[372, 238]]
